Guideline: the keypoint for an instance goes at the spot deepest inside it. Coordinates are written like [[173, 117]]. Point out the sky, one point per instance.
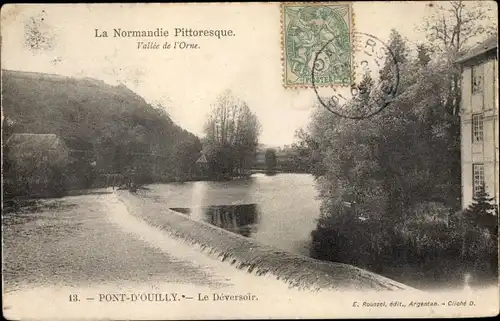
[[186, 82]]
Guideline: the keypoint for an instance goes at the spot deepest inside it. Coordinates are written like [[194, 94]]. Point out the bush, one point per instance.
[[437, 244], [483, 213]]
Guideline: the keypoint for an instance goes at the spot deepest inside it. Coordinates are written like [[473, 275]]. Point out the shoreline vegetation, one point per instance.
[[66, 134], [390, 185], [88, 134]]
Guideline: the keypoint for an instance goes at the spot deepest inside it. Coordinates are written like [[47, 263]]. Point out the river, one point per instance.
[[278, 210]]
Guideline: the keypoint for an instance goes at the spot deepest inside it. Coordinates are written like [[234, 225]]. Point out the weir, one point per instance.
[[253, 257]]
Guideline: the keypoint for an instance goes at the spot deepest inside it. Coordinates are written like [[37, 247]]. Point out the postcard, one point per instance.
[[299, 160]]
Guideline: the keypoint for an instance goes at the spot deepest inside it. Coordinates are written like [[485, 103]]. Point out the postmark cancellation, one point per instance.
[[319, 36]]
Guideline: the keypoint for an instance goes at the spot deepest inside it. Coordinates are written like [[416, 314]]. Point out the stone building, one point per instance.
[[479, 121]]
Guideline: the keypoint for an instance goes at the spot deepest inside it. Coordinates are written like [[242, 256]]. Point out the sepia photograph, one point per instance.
[[184, 161]]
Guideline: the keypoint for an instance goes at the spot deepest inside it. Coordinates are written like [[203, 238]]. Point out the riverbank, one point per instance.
[[64, 258]]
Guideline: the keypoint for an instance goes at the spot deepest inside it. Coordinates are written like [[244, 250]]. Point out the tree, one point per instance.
[[185, 154], [270, 159], [399, 166], [232, 132], [389, 165], [479, 228], [454, 25], [482, 212], [451, 29]]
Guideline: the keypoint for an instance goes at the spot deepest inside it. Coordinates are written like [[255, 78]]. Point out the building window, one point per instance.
[[477, 128], [478, 179], [477, 79]]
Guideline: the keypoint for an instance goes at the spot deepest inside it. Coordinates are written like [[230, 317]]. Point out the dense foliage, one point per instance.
[[232, 133], [390, 184], [108, 129]]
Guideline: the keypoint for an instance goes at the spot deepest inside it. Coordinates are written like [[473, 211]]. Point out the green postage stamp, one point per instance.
[[316, 35]]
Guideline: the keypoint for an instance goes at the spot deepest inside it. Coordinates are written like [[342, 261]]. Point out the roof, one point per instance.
[[490, 44], [27, 140], [202, 159]]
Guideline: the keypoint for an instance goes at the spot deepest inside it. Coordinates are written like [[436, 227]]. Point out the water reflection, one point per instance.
[[241, 219], [197, 197], [286, 207]]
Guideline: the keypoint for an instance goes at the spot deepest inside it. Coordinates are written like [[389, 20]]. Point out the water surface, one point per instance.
[[279, 210]]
